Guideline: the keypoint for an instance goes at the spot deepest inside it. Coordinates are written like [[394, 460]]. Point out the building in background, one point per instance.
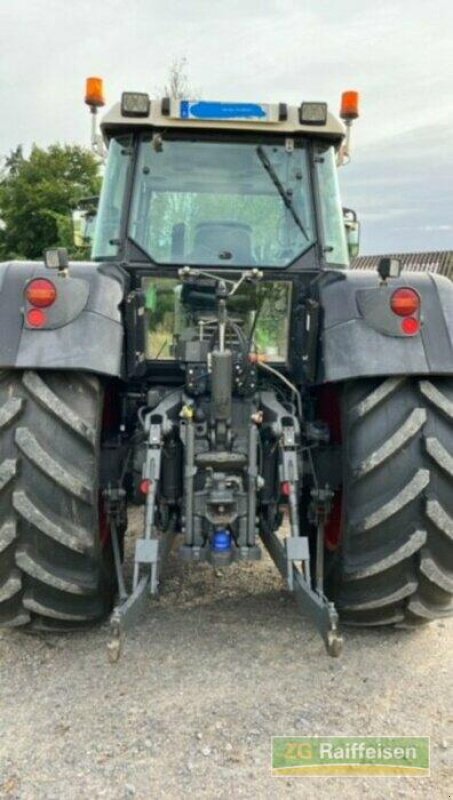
[[440, 262]]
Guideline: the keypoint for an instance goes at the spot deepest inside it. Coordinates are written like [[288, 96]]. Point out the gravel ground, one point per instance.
[[217, 666]]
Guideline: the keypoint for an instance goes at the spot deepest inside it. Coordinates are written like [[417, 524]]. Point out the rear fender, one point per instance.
[[361, 337], [84, 326]]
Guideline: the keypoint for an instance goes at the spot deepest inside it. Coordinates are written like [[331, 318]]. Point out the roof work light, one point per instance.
[[313, 114], [135, 104]]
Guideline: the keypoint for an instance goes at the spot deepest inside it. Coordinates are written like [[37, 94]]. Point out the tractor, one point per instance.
[[218, 363]]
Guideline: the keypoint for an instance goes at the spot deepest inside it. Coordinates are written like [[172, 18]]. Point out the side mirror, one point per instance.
[[352, 230], [83, 221]]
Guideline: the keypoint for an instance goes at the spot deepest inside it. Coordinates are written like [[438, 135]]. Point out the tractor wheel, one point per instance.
[[56, 569], [394, 564]]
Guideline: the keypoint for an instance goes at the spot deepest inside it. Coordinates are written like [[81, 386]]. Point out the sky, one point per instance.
[[397, 53]]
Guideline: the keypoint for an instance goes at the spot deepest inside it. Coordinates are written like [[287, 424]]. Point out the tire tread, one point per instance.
[[53, 572], [395, 566]]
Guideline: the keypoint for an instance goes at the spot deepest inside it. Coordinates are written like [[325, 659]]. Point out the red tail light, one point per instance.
[[41, 293], [410, 326], [36, 318], [405, 302], [145, 486]]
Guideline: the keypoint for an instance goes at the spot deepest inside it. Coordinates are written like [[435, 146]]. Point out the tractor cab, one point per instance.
[[221, 185]]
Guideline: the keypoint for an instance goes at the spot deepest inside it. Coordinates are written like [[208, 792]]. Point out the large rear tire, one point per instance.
[[55, 572], [395, 560]]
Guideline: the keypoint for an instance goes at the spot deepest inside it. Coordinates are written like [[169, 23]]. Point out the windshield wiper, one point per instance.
[[281, 190]]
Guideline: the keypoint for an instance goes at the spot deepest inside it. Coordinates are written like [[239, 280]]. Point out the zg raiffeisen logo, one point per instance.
[[318, 756]]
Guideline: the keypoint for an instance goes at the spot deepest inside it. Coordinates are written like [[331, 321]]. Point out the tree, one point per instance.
[[14, 161], [178, 82], [37, 195]]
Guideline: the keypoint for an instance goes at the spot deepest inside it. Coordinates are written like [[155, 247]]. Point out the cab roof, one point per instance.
[[267, 118]]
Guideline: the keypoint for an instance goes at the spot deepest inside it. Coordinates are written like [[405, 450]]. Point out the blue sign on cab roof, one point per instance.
[[214, 110]]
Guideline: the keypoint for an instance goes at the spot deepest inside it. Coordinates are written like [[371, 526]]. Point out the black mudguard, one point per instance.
[[84, 330], [361, 337]]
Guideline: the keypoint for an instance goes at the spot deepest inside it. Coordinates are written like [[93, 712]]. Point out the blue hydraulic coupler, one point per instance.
[[221, 541]]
